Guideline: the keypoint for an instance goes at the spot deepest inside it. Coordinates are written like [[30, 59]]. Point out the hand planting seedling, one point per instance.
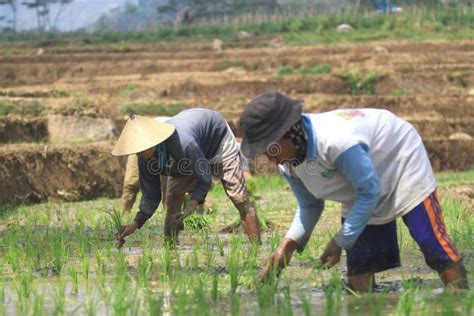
[[116, 223], [197, 223]]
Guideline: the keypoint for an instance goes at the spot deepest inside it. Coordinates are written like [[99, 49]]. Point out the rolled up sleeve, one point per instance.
[[151, 193], [307, 214], [357, 167]]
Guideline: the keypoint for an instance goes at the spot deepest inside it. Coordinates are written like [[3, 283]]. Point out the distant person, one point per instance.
[[370, 161], [189, 148], [384, 6]]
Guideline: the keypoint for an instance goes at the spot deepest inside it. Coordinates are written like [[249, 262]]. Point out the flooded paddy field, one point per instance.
[[60, 258]]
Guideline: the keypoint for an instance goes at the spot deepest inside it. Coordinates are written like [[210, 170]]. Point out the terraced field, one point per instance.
[[67, 104]]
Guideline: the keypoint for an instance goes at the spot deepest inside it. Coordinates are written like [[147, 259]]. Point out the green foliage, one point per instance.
[[316, 70], [225, 64], [36, 94], [285, 71], [197, 223], [114, 219], [30, 108], [128, 90], [423, 22], [202, 270], [451, 178], [6, 107], [154, 109], [361, 84]]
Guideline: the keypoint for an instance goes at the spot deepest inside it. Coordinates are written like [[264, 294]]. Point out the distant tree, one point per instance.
[[209, 9], [12, 4], [45, 18], [131, 8]]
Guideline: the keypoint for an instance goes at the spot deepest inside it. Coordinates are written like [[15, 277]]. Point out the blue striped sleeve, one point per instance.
[[357, 167]]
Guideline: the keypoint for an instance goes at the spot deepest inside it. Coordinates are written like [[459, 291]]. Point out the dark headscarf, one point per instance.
[[297, 135]]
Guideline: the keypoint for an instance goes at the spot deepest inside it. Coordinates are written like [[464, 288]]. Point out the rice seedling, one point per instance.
[[2, 296], [195, 257], [200, 297], [115, 221], [215, 287], [165, 262], [154, 303], [38, 304], [143, 268], [284, 305], [59, 296], [197, 223], [74, 280], [234, 304], [306, 305], [25, 284], [91, 306], [219, 245], [333, 293], [60, 253], [121, 267], [123, 303], [233, 263], [209, 255], [181, 302], [85, 268], [99, 257], [407, 301]]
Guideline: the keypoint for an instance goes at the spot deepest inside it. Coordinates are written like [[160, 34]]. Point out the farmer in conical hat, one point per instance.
[[190, 148], [370, 161], [131, 184]]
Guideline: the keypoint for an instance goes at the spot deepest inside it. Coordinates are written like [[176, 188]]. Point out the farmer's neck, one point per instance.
[[285, 151], [147, 153]]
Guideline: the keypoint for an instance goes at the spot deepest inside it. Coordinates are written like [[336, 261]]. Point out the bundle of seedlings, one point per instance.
[[115, 222]]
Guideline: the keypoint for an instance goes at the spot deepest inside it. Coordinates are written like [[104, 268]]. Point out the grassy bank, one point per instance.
[[415, 23]]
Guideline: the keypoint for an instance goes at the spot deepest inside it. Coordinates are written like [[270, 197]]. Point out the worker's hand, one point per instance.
[[127, 230], [332, 253], [178, 223], [280, 258], [191, 208]]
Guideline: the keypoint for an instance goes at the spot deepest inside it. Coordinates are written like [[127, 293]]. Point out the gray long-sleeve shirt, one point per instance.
[[196, 139]]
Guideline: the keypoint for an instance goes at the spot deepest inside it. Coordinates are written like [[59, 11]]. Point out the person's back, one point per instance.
[[202, 127]]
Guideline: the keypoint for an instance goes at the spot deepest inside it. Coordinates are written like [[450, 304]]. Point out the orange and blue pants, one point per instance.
[[377, 249]]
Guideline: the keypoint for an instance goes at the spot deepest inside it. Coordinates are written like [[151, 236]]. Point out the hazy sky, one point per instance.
[[80, 13]]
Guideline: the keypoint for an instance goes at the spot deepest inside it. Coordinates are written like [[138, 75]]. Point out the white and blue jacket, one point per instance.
[[369, 160]]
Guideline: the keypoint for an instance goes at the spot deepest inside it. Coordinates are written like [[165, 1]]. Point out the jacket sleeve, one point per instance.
[[357, 167], [151, 192], [307, 213]]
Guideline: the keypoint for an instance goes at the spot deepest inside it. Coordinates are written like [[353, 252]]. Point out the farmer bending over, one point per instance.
[[369, 160], [190, 148]]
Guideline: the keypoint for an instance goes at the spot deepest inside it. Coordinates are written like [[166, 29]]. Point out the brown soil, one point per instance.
[[431, 84], [33, 173], [17, 129]]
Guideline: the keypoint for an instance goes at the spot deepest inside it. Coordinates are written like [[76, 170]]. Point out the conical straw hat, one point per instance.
[[141, 133]]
